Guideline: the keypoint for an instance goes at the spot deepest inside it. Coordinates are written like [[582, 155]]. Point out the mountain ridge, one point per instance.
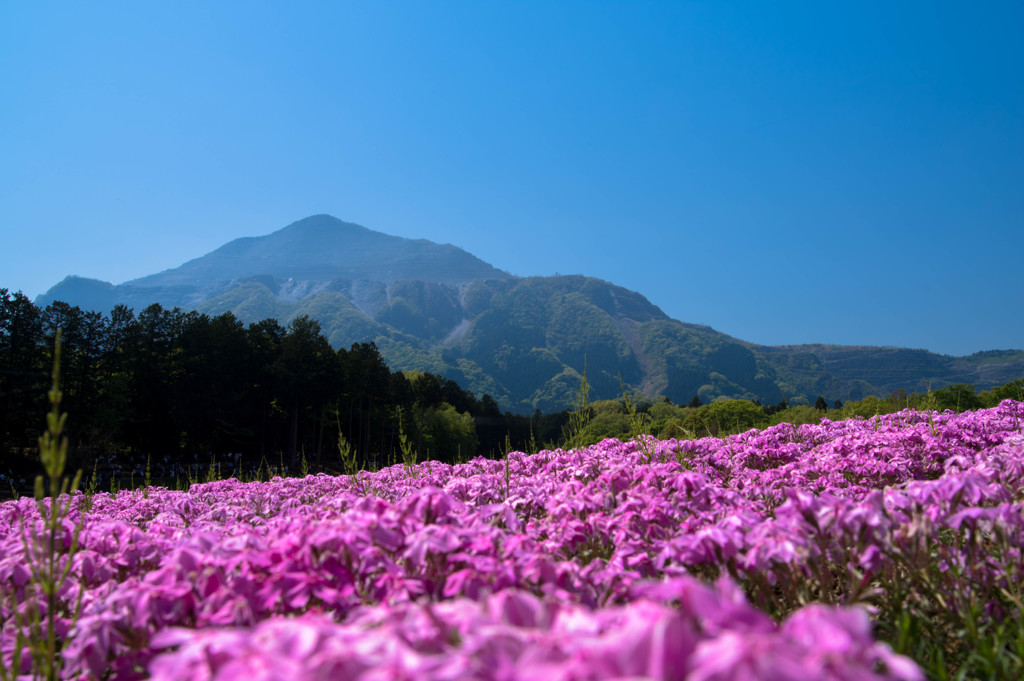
[[523, 340]]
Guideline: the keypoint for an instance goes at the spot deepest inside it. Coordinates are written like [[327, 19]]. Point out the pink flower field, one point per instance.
[[863, 549]]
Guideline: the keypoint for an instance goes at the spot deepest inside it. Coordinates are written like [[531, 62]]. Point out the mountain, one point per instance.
[[302, 259], [524, 341]]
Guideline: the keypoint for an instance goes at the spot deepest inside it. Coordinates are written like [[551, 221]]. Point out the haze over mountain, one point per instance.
[[524, 341]]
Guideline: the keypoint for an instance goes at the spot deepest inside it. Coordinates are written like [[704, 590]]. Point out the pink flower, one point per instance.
[[733, 656]]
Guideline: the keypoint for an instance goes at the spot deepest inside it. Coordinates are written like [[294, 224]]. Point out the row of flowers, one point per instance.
[[774, 554]]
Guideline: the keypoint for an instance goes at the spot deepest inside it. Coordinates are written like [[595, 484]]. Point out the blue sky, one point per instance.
[[783, 172]]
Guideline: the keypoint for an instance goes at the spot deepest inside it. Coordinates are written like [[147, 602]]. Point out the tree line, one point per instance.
[[179, 389], [176, 388], [660, 417]]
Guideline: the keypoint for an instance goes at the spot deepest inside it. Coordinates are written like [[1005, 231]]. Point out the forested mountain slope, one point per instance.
[[524, 341]]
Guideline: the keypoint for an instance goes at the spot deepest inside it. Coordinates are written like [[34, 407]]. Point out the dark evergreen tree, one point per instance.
[[23, 378], [307, 369], [216, 364], [156, 369], [82, 347], [365, 382], [264, 384]]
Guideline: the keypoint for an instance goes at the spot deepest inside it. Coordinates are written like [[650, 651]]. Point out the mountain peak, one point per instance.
[[324, 248], [322, 224], [316, 250]]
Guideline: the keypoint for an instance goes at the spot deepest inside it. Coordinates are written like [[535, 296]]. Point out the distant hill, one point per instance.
[[859, 371], [524, 341]]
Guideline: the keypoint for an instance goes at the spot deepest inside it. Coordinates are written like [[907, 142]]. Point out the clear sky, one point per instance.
[[847, 173]]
